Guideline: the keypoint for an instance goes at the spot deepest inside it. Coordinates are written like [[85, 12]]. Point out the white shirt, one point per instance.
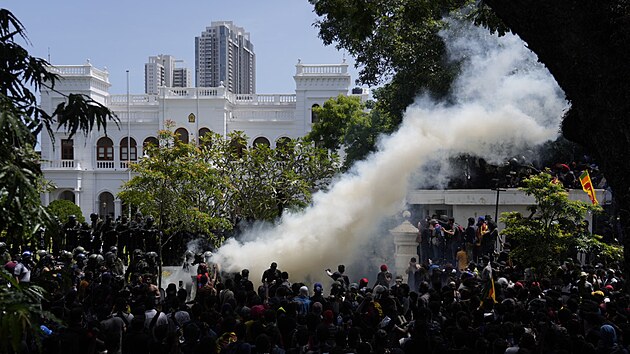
[[162, 320], [22, 272]]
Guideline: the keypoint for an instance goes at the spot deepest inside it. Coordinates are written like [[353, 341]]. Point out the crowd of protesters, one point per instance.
[[480, 174], [463, 294], [445, 303]]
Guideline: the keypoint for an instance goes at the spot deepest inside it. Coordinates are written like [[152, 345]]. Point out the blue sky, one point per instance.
[[121, 35]]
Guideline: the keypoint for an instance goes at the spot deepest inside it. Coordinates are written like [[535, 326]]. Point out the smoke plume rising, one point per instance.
[[504, 102]]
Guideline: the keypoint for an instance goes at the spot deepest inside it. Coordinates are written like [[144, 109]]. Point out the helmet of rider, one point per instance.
[[78, 250], [66, 256], [47, 259], [100, 259], [27, 254]]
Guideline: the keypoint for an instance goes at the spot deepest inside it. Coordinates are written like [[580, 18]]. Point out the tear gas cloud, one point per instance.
[[503, 102]]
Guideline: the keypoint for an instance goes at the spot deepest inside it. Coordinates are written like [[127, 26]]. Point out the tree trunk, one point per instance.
[[586, 47]]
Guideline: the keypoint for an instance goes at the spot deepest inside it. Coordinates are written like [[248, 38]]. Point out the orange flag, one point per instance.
[[587, 186]]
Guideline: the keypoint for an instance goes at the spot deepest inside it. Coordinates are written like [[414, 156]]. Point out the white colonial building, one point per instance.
[[89, 170]]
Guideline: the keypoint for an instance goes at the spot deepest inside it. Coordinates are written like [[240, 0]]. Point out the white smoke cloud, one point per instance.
[[504, 102]]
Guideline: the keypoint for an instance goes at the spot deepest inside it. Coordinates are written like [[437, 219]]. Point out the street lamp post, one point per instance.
[[496, 205]]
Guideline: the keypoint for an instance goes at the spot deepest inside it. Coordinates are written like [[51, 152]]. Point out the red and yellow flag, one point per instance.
[[587, 186], [487, 291]]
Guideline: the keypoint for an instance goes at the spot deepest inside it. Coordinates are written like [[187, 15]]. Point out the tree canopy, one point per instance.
[[556, 228], [208, 188]]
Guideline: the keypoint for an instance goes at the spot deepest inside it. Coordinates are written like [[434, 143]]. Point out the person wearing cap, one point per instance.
[[384, 277]]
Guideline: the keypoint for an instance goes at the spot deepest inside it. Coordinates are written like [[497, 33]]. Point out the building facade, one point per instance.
[[89, 170], [161, 70], [224, 56]]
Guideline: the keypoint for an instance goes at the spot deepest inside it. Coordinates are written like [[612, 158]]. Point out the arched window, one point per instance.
[[104, 149], [106, 204], [133, 153], [238, 145], [203, 132], [67, 195], [149, 141], [261, 140], [182, 135], [314, 117], [282, 149], [282, 142]]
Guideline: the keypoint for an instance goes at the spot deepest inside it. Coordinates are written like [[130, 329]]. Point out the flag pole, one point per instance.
[[128, 143]]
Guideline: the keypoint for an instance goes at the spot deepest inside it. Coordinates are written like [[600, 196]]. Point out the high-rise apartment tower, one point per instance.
[[161, 70], [225, 55]]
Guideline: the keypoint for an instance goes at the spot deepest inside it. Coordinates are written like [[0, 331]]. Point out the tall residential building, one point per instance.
[[161, 70], [225, 55], [182, 77]]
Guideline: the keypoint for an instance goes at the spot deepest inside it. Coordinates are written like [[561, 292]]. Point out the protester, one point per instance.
[[484, 305]]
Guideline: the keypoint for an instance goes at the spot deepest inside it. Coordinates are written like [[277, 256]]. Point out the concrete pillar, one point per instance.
[[77, 198], [46, 201], [405, 246], [117, 208]]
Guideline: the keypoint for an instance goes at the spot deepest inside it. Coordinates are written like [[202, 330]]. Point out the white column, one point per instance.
[[77, 197], [404, 236], [117, 208]]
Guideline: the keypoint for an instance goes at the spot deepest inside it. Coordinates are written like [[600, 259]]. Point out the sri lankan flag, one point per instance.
[[587, 186], [487, 291]]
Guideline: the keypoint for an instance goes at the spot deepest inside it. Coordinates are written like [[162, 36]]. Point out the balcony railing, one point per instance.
[[266, 99], [321, 69], [60, 165], [108, 165], [125, 164], [79, 70], [76, 165], [134, 100]]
